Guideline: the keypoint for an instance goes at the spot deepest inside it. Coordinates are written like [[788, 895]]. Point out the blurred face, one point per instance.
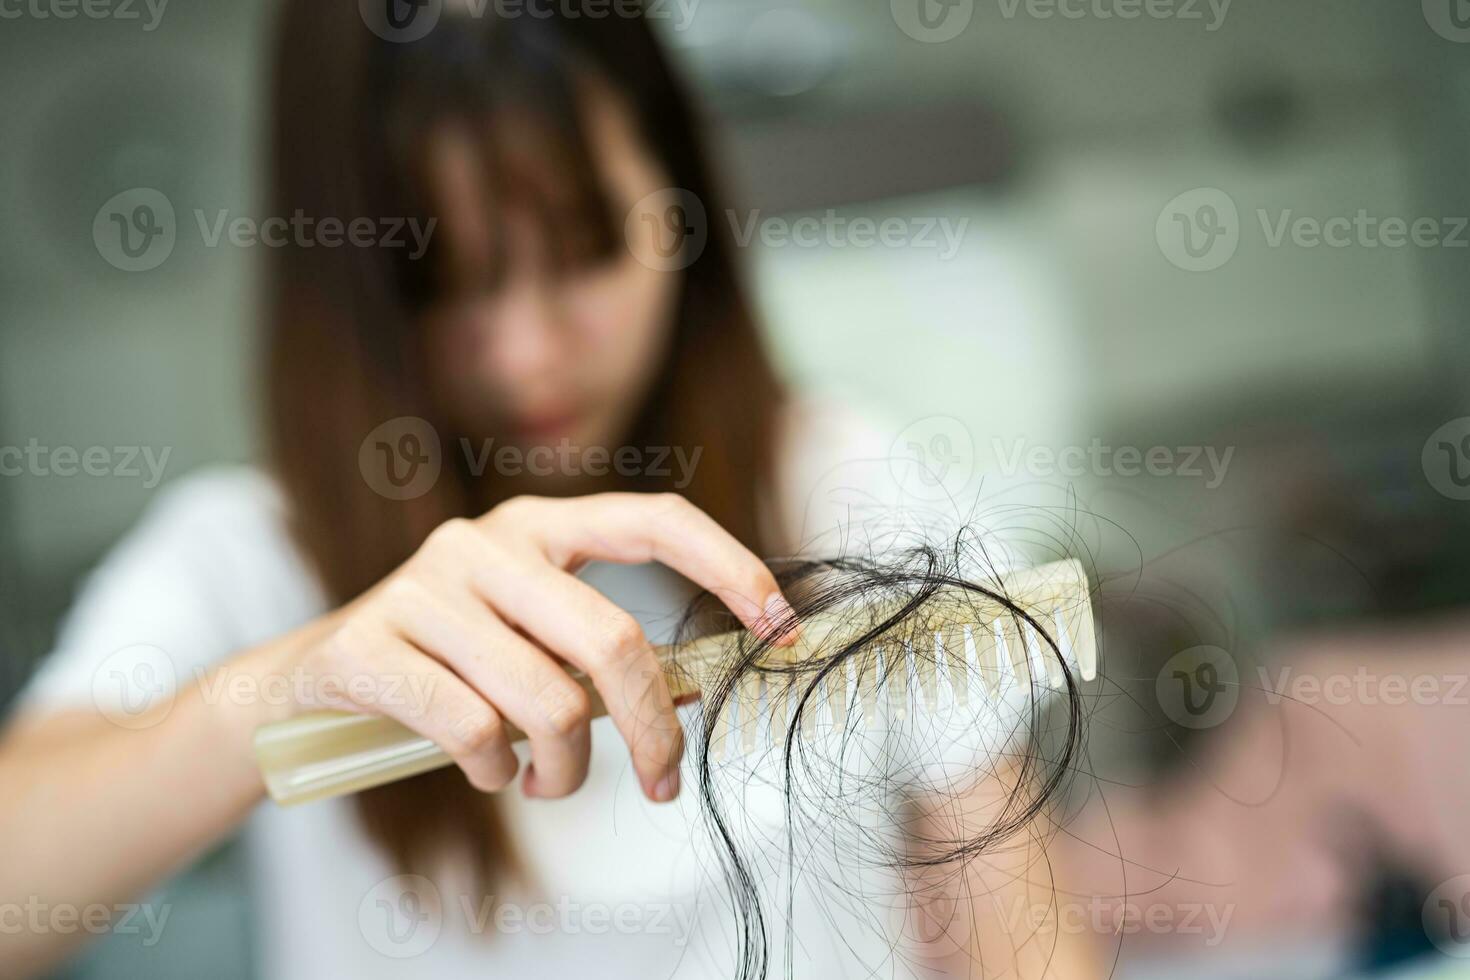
[[548, 351]]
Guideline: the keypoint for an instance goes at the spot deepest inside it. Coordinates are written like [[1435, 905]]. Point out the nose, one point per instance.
[[528, 352]]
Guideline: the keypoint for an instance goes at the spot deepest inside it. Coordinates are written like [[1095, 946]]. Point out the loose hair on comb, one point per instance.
[[912, 652]]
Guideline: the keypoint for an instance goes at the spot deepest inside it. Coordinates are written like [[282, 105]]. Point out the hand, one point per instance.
[[489, 614]]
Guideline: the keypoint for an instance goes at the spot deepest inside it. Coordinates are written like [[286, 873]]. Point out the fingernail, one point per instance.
[[668, 787], [778, 615]]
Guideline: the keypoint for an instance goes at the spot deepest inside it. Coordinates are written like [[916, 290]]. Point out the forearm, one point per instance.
[[96, 814]]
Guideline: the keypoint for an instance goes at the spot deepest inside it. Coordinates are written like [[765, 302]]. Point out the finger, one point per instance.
[[579, 624], [446, 709], [525, 685], [631, 528]]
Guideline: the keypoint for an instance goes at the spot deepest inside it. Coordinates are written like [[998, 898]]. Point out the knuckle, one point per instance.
[[345, 644], [563, 708], [453, 534], [403, 593], [674, 506], [621, 640], [656, 747], [478, 731], [677, 518], [350, 649], [512, 510]]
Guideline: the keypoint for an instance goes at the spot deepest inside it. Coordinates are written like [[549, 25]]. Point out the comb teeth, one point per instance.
[[896, 665], [749, 704], [979, 655]]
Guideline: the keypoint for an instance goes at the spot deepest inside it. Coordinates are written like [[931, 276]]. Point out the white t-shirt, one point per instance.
[[625, 888]]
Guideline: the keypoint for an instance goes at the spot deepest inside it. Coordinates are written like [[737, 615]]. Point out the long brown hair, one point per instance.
[[352, 112]]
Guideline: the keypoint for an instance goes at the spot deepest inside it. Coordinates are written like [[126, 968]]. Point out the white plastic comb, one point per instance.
[[973, 646], [979, 648]]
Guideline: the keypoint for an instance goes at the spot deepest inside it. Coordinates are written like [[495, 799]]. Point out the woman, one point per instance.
[[391, 560]]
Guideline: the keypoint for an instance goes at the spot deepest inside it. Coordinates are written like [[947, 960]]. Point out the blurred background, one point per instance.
[[1131, 266]]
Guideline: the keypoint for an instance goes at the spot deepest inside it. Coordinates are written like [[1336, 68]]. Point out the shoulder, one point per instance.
[[218, 498], [224, 524], [209, 569], [230, 527]]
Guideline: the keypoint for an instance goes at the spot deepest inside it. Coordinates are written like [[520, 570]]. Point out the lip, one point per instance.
[[546, 425]]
